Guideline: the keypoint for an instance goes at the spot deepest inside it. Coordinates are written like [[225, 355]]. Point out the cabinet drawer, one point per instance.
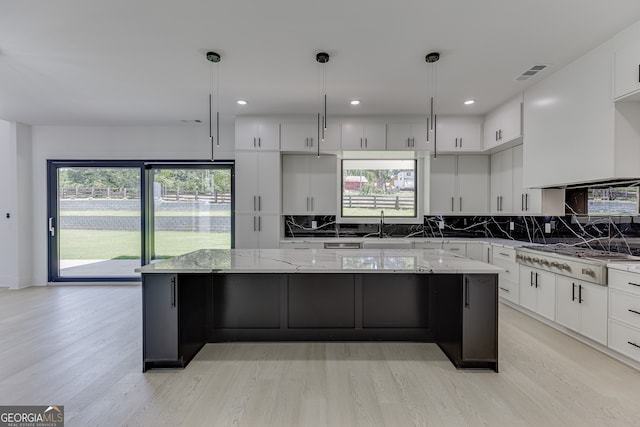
[[624, 281], [506, 254], [624, 339], [624, 307], [510, 290], [456, 248], [512, 272]]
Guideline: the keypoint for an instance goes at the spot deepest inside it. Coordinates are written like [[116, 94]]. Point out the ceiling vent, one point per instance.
[[532, 71]]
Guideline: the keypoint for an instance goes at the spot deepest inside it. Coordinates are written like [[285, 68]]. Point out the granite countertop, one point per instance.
[[424, 261], [494, 241], [631, 267]]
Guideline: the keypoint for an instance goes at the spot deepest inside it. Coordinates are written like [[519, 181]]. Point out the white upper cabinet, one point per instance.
[[533, 201], [459, 185], [408, 135], [257, 182], [501, 182], [302, 135], [363, 135], [503, 124], [456, 134], [309, 185], [573, 133], [254, 133], [626, 71]]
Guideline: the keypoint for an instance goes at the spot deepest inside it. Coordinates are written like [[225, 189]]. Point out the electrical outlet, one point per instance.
[[512, 226], [441, 225], [547, 227], [314, 224]]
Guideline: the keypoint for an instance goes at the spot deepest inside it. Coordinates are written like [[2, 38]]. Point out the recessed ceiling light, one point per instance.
[[354, 102], [241, 102], [469, 102]]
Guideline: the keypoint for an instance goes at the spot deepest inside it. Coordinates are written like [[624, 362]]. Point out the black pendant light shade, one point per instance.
[[322, 58], [431, 59], [214, 58]]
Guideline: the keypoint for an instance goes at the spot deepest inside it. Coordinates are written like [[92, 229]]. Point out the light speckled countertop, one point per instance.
[[423, 261]]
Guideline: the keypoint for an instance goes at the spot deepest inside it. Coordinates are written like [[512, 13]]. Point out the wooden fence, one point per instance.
[[134, 193], [375, 201]]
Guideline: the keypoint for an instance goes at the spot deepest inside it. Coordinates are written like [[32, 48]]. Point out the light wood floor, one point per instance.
[[81, 347]]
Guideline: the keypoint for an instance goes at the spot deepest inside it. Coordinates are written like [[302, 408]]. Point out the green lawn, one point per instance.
[[137, 213], [107, 244]]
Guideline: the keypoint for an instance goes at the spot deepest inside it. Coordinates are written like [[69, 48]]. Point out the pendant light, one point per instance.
[[322, 58], [214, 59], [432, 118]]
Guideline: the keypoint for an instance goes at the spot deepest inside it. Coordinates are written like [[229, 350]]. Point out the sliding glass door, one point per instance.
[[108, 218], [189, 209]]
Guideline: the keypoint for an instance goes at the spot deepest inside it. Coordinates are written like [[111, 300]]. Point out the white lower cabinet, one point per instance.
[[624, 313], [257, 231], [582, 307], [479, 251], [508, 282], [538, 291]]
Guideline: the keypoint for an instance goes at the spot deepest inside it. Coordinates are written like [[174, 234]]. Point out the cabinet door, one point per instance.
[[268, 134], [473, 184], [479, 318], [419, 132], [447, 134], [511, 120], [594, 312], [491, 130], [442, 185], [160, 307], [519, 194], [501, 185], [477, 251], [546, 294], [323, 184], [246, 231], [295, 184], [299, 136], [268, 180], [470, 133], [352, 135], [399, 136], [626, 70], [567, 304], [528, 292], [246, 181], [246, 134], [375, 135], [268, 231]]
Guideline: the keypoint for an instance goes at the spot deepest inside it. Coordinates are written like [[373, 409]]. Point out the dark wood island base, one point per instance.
[[184, 311]]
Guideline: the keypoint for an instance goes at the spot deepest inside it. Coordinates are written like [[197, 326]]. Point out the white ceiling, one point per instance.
[[143, 61]]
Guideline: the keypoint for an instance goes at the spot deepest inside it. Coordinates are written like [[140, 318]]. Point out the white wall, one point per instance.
[[187, 142], [25, 200], [8, 205]]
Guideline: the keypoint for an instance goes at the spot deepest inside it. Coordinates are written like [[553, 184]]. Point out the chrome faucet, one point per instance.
[[380, 231]]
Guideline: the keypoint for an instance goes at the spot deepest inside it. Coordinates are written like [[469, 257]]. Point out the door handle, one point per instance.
[[466, 293], [580, 294], [173, 292], [52, 227]]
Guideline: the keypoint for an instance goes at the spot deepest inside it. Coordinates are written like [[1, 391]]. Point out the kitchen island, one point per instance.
[[220, 295]]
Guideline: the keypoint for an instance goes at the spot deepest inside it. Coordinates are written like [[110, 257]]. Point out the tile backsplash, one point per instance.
[[617, 233]]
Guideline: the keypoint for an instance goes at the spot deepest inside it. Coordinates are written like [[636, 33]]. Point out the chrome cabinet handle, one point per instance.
[[633, 284], [254, 141], [408, 142], [580, 294], [254, 224], [259, 223], [500, 134], [310, 142], [456, 142], [307, 204], [254, 203], [259, 142], [460, 204], [312, 203], [634, 311], [460, 142], [496, 135], [633, 344], [173, 292], [361, 146], [365, 143], [259, 203], [452, 204], [526, 201], [505, 289], [573, 291]]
